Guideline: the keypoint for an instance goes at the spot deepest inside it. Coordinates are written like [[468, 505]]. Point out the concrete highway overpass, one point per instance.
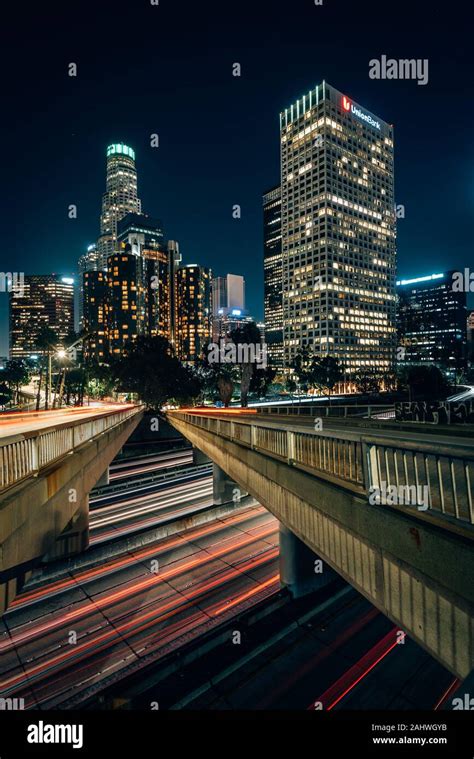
[[415, 565], [49, 462]]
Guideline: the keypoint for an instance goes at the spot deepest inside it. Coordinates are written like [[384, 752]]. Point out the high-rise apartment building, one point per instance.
[[44, 300], [194, 311], [338, 231], [273, 276], [431, 322], [94, 319], [119, 198]]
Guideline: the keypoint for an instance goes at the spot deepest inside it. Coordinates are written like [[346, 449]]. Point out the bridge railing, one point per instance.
[[24, 455], [419, 475], [368, 411]]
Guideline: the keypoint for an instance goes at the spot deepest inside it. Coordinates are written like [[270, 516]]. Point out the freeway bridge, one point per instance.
[[414, 564], [49, 462]]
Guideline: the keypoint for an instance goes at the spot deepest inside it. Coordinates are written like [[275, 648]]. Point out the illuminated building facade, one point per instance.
[[119, 198], [194, 311], [144, 237], [45, 300], [431, 322], [89, 261], [228, 299], [94, 319], [124, 317], [273, 275], [338, 231]]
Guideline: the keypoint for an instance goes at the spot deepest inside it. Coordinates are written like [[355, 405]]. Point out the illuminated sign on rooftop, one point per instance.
[[120, 148], [348, 105], [419, 279]]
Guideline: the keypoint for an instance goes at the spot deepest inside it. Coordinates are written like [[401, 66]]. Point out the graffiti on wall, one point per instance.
[[436, 412]]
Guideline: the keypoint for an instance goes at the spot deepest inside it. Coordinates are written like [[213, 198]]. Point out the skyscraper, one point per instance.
[[119, 198], [89, 261], [124, 315], [95, 315], [338, 231], [273, 275], [431, 322], [45, 300], [144, 235], [194, 311], [228, 298], [175, 259]]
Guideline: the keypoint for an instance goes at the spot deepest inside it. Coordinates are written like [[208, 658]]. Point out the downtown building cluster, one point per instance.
[[133, 283], [329, 257], [330, 250]]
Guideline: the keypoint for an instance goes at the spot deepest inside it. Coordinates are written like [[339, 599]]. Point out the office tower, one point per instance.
[[95, 291], [262, 329], [89, 261], [227, 320], [338, 231], [228, 292], [431, 322], [228, 299], [194, 311], [124, 317], [119, 198], [175, 259], [144, 235], [273, 276], [156, 284], [45, 300], [219, 294], [141, 231]]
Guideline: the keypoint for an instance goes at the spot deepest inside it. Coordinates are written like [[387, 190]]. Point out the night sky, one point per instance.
[[167, 69]]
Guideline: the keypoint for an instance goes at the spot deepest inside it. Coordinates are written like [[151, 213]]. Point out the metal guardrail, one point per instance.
[[363, 463], [367, 411], [25, 454]]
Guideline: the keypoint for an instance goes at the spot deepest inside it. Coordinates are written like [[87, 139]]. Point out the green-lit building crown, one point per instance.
[[120, 148]]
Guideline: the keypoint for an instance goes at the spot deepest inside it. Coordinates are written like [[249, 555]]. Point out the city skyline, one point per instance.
[[196, 175]]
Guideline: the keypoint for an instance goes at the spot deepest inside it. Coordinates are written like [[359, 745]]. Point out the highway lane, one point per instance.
[[59, 640], [149, 504], [340, 654], [134, 466]]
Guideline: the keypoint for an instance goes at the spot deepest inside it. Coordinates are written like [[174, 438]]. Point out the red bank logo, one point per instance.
[[349, 106]]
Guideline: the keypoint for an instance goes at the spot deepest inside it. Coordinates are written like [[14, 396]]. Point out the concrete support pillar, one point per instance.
[[301, 570], [199, 457], [105, 479], [225, 489], [74, 538]]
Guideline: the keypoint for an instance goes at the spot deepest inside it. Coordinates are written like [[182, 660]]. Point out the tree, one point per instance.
[[45, 343], [249, 339], [216, 376], [367, 380], [425, 382], [149, 369], [261, 380], [15, 375], [315, 372]]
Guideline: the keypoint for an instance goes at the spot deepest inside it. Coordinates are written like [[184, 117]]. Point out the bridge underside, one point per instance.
[[416, 573], [47, 517]]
